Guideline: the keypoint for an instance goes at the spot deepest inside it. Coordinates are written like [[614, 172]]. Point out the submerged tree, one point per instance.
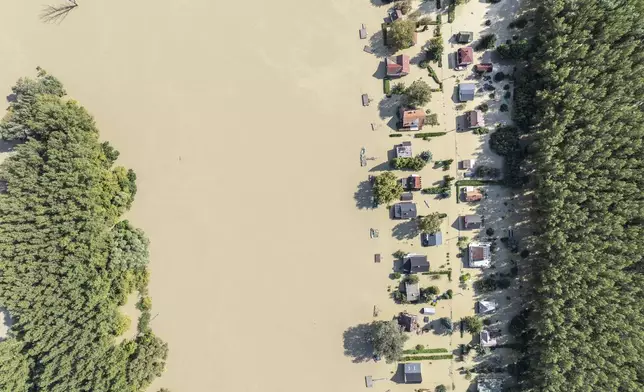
[[388, 339], [430, 223], [57, 13], [387, 188]]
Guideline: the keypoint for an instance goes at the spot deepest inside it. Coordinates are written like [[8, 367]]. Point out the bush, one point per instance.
[[465, 277], [487, 322], [423, 64], [488, 22], [423, 350], [411, 279], [521, 22], [507, 95], [449, 294], [481, 131], [426, 156], [415, 163], [504, 107], [472, 324], [441, 388], [429, 134], [418, 348], [486, 42], [432, 290], [489, 231], [483, 107], [404, 6], [399, 254], [499, 76], [395, 135], [486, 285], [506, 87], [395, 275], [425, 21], [432, 73], [398, 88], [386, 86]]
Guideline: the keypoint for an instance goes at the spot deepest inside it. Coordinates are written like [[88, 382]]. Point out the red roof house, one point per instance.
[[397, 67], [412, 119], [465, 56]]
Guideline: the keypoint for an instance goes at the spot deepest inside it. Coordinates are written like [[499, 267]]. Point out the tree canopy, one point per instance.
[[418, 94], [388, 340], [580, 99], [400, 34], [387, 188], [67, 260], [472, 324], [430, 223]]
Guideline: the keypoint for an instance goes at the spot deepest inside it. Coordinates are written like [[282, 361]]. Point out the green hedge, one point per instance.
[[443, 272], [426, 357], [477, 182], [432, 73], [395, 135], [426, 351], [429, 134], [451, 13], [387, 87]]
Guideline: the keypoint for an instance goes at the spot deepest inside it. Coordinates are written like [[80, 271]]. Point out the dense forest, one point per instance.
[[581, 101], [67, 261]]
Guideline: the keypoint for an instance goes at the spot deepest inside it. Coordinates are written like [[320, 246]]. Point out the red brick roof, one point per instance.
[[484, 67], [465, 56], [399, 66]]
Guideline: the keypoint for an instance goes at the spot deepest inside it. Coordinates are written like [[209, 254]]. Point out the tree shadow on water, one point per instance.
[[363, 195], [405, 230], [356, 343]]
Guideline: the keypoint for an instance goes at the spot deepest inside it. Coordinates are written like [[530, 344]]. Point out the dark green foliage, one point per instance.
[[441, 388], [499, 76], [386, 87], [423, 350], [435, 52], [472, 324], [67, 262], [424, 135], [387, 188], [504, 107], [483, 107], [416, 163], [387, 339], [400, 34], [505, 140], [426, 358], [395, 135], [418, 93], [486, 42], [518, 50], [486, 171]]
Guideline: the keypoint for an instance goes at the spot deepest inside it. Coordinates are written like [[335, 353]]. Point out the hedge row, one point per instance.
[[395, 135], [387, 87], [426, 358], [429, 134], [426, 351], [477, 182]]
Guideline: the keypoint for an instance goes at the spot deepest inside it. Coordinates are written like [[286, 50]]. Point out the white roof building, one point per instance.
[[480, 254], [486, 339], [487, 306]]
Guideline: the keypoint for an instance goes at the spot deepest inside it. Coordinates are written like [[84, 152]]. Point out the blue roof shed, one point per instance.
[[466, 91]]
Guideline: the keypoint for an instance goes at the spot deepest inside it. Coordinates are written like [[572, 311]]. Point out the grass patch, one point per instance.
[[426, 351]]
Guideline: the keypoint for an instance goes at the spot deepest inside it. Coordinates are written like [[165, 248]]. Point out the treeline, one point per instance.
[[581, 100], [67, 262]]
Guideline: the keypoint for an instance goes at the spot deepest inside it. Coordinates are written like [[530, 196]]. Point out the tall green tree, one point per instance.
[[430, 223], [387, 188], [418, 93], [388, 339], [401, 34], [67, 260]]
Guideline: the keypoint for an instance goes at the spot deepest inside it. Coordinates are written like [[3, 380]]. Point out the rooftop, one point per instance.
[[466, 91], [412, 290], [405, 211], [479, 253], [465, 56], [415, 263], [412, 373], [403, 150], [397, 66]]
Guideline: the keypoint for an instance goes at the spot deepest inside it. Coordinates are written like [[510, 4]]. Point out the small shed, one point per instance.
[[412, 373], [412, 291], [407, 196], [376, 258], [365, 100], [484, 67], [436, 239], [472, 221], [363, 32]]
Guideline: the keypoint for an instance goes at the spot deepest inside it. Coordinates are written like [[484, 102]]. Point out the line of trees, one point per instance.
[[580, 98], [67, 260]]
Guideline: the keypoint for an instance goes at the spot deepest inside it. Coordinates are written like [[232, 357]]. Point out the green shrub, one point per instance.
[[424, 350], [504, 107], [395, 275], [426, 358], [429, 134], [395, 135], [483, 107], [415, 163], [499, 76], [507, 95], [386, 87], [476, 182], [432, 73], [486, 42], [399, 254], [481, 131]]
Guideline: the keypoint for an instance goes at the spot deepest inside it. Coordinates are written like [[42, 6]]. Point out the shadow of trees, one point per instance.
[[406, 230], [357, 344], [363, 195]]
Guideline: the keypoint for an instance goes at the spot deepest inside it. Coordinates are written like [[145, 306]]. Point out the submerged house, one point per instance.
[[479, 254], [412, 183], [472, 194], [471, 222], [465, 56], [466, 91], [411, 119], [486, 339], [475, 119], [484, 307], [398, 66], [408, 322], [412, 373], [405, 211], [414, 263], [403, 150], [464, 37], [467, 164], [484, 67]]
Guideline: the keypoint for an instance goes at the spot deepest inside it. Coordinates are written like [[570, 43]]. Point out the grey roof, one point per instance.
[[412, 290], [435, 239], [413, 373], [466, 91], [473, 219], [486, 306], [407, 196], [405, 211], [464, 36], [416, 263]]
